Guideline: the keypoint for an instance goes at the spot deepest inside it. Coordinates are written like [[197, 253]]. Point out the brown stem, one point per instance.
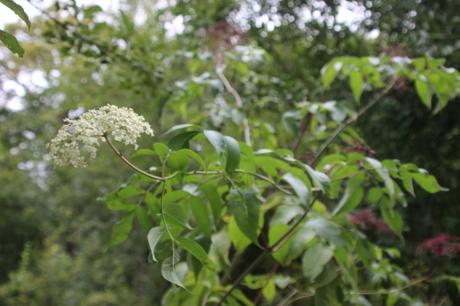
[[303, 129], [272, 272], [238, 101], [276, 246], [351, 120]]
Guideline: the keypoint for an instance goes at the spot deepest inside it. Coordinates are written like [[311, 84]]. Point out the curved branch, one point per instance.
[[351, 120], [130, 164], [238, 101]]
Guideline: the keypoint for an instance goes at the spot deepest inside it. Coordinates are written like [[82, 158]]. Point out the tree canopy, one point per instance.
[[230, 153]]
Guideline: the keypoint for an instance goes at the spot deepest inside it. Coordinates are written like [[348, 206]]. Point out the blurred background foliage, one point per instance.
[[163, 59]]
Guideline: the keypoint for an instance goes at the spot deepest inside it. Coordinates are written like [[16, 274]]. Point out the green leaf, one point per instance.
[[302, 238], [216, 139], [391, 216], [325, 229], [285, 213], [122, 228], [406, 178], [161, 149], [182, 140], [428, 182], [11, 43], [424, 92], [314, 260], [178, 160], [352, 197], [174, 273], [320, 179], [216, 202], [269, 291], [116, 204], [202, 215], [329, 73], [299, 187], [239, 240], [143, 219], [374, 195], [275, 233], [153, 237], [181, 127], [383, 173], [246, 210], [356, 84], [196, 250], [225, 145], [17, 9], [144, 152], [232, 153]]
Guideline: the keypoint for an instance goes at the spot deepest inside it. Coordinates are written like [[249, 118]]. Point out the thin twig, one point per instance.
[[269, 277], [238, 101], [351, 120], [303, 129], [163, 218], [264, 178], [242, 276], [383, 292], [286, 301], [281, 241], [130, 164]]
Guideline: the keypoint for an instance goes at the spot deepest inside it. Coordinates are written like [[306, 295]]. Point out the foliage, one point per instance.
[[247, 203]]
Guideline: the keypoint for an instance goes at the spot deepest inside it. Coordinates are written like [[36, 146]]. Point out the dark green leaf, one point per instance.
[[182, 140], [216, 202], [122, 228], [202, 215], [246, 209], [391, 216], [232, 151], [17, 9], [195, 249], [11, 43]]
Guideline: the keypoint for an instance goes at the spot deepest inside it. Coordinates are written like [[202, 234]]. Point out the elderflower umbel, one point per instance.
[[79, 139]]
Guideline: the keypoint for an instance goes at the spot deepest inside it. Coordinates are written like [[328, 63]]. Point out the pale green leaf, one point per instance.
[[314, 260], [153, 237]]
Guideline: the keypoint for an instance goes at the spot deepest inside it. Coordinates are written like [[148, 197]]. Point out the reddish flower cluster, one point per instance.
[[367, 220], [440, 245]]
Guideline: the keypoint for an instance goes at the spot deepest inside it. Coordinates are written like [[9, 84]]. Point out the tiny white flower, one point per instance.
[[79, 139]]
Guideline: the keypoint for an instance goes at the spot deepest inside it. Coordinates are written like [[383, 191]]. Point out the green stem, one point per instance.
[[130, 164]]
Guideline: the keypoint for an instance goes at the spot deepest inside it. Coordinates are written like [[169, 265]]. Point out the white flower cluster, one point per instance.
[[79, 139]]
